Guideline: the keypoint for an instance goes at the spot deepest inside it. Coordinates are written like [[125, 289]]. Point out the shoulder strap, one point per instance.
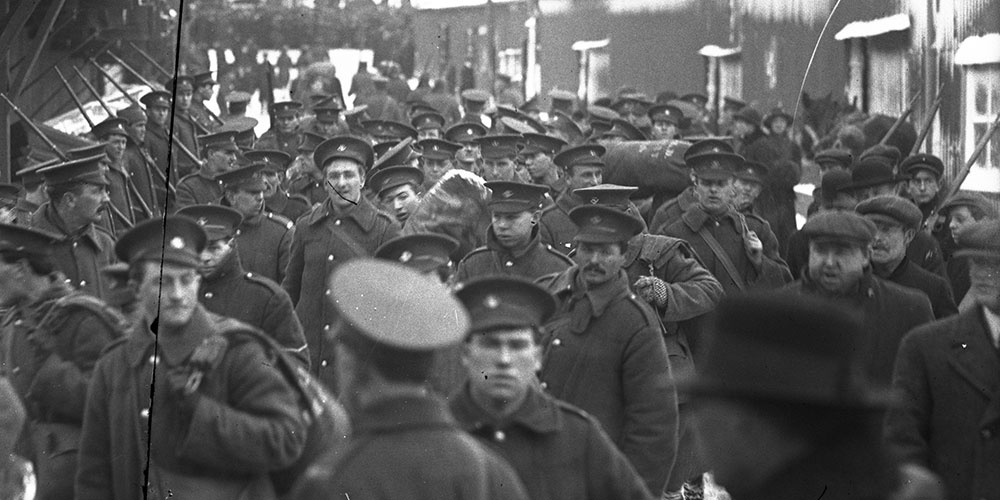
[[723, 258]]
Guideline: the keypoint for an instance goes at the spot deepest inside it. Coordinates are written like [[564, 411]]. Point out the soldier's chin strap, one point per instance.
[[812, 57]]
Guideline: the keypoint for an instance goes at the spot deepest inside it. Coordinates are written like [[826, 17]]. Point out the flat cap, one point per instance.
[[980, 239], [752, 171], [219, 222], [715, 166], [835, 157], [583, 155], [387, 178], [272, 160], [19, 240], [872, 171], [309, 142], [666, 113], [346, 147], [90, 170], [600, 224], [512, 197], [437, 149], [500, 146], [834, 182], [111, 126], [428, 121], [562, 96], [225, 141], [886, 152], [839, 226], [425, 252], [176, 239], [247, 178], [922, 161], [156, 99], [969, 199], [286, 109], [609, 195], [541, 143], [498, 302], [414, 315], [900, 210], [708, 146], [465, 132]]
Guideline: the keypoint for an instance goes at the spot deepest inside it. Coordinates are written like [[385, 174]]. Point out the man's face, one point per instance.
[[746, 193], [513, 230], [272, 182], [923, 186], [220, 161], [584, 176], [115, 146], [401, 201], [285, 124], [539, 165], [890, 241], [326, 129], [137, 131], [173, 297], [742, 129], [435, 168], [837, 266], [184, 98], [248, 202], [90, 202], [343, 182], [959, 218], [6, 214], [778, 126], [715, 195], [984, 277], [214, 253], [158, 115], [663, 129], [501, 364], [867, 193], [428, 133], [599, 262], [498, 169], [205, 92]]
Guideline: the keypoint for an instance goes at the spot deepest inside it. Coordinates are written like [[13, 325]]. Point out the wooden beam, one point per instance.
[[15, 24], [17, 84], [65, 56], [6, 161]]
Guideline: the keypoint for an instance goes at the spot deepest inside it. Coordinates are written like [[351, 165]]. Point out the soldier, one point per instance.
[[383, 131], [583, 167], [839, 270], [304, 178], [740, 250], [748, 182], [604, 350], [437, 157], [345, 226], [441, 100], [923, 172], [562, 101], [538, 151], [782, 413], [327, 121], [397, 419], [949, 373], [112, 134], [227, 289], [666, 120], [236, 105], [204, 87], [78, 193], [219, 156], [429, 125], [513, 246], [558, 450], [474, 102], [398, 189], [671, 211], [185, 129], [33, 193], [158, 127], [150, 187], [469, 157], [381, 106], [500, 158], [52, 337], [276, 199], [213, 433], [896, 221], [264, 238], [284, 134]]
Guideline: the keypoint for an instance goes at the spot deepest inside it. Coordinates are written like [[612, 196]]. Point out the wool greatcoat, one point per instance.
[[555, 227], [948, 373], [533, 261], [325, 238], [198, 189], [263, 242], [81, 255], [934, 286], [604, 353]]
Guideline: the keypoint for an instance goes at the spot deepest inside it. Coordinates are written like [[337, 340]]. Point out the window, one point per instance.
[[982, 103]]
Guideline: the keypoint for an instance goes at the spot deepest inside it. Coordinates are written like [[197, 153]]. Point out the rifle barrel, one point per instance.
[[131, 70], [121, 89], [902, 118], [150, 59], [34, 128], [76, 100], [97, 95]]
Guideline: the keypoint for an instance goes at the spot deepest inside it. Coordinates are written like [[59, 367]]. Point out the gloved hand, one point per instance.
[[652, 289]]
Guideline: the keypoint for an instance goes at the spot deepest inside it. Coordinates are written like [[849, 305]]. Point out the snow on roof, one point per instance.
[[875, 27]]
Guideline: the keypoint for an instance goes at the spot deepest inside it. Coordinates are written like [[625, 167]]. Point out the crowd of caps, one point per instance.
[[565, 338]]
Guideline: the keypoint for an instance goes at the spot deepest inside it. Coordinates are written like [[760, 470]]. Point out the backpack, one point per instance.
[[327, 421]]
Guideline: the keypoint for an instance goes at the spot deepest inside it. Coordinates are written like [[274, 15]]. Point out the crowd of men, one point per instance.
[[197, 312]]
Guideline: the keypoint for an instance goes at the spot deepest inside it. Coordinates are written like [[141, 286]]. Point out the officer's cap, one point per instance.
[[386, 305], [666, 113], [219, 222], [437, 149], [562, 98], [845, 227], [608, 195], [980, 239], [598, 128], [513, 197], [601, 113], [465, 132], [309, 141], [389, 128], [247, 178], [182, 82], [515, 126], [387, 178], [424, 252], [21, 241], [872, 171], [156, 99], [922, 161], [346, 147], [636, 101], [174, 239], [501, 302], [695, 98], [708, 146], [29, 175], [225, 141], [475, 96], [327, 114], [204, 79], [897, 210], [245, 138], [394, 153], [286, 109], [564, 123], [583, 155], [90, 170], [541, 143], [835, 157], [600, 224], [272, 160], [111, 126], [715, 166], [238, 97], [500, 146], [428, 121], [752, 171]]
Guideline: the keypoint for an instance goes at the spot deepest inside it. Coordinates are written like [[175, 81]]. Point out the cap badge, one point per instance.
[[507, 194], [597, 219], [177, 243], [593, 153], [406, 256], [595, 201], [491, 302], [202, 221], [342, 147]]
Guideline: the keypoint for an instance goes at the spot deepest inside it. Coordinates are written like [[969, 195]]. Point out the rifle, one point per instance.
[[955, 186], [184, 149], [121, 89], [151, 61], [928, 120], [131, 70], [95, 93], [902, 118], [76, 100]]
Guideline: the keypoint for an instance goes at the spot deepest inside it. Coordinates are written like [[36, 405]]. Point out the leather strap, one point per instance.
[[723, 258]]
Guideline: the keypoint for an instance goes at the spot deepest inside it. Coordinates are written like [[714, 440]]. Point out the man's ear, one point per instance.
[[909, 234]]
